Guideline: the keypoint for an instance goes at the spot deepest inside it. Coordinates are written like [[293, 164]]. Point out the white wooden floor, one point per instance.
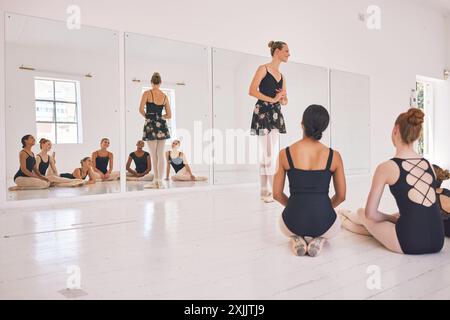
[[222, 244]]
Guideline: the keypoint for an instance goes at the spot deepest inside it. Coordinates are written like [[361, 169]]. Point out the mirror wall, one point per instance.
[[64, 85], [61, 85], [184, 72], [350, 126], [235, 149]]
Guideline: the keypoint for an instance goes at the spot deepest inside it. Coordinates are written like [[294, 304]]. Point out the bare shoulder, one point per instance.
[[262, 69], [387, 171]]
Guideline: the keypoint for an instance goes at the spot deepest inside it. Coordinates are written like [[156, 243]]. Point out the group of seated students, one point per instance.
[[40, 171], [309, 218]]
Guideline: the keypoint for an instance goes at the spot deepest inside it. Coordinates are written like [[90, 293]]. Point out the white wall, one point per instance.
[[99, 101], [322, 32]]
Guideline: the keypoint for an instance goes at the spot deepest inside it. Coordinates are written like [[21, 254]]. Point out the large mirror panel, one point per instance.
[[236, 151], [350, 126], [168, 123], [306, 85], [62, 89]]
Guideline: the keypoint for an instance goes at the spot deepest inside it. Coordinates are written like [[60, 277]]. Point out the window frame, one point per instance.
[[55, 102]]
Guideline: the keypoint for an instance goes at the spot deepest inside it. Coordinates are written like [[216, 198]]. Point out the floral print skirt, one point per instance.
[[267, 117], [155, 128]]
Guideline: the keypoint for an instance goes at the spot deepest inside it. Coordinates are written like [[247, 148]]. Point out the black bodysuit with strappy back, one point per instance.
[[419, 229], [445, 214], [309, 212]]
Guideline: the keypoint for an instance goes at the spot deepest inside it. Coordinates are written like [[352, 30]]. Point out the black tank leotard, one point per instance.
[[309, 211], [43, 166], [30, 163], [140, 162], [177, 163], [71, 176], [419, 229], [101, 163], [269, 86]]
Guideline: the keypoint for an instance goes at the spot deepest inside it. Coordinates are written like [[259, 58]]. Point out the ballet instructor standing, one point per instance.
[[269, 87]]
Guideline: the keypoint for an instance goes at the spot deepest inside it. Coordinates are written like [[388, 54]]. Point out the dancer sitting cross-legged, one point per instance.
[[418, 227]]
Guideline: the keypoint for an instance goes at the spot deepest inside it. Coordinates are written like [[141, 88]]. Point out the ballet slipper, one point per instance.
[[315, 247], [152, 185], [15, 188], [299, 246]]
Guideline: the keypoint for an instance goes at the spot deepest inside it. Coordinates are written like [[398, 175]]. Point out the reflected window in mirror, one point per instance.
[[172, 123], [58, 110]]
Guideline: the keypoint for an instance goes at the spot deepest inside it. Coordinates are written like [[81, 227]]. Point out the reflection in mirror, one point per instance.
[[350, 105], [233, 107], [168, 113], [235, 155], [62, 98]]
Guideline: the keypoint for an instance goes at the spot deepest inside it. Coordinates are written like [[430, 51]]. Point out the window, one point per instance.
[[57, 107], [170, 93], [425, 101]]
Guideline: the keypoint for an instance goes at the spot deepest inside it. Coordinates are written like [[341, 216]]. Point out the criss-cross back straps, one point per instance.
[[289, 157], [417, 165]]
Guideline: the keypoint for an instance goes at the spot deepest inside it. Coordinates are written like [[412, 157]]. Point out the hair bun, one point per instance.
[[317, 135], [446, 175], [415, 116], [271, 43]]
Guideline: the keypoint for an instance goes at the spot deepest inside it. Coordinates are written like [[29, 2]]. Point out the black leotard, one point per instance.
[[177, 163], [71, 176], [269, 86], [101, 163], [153, 109], [30, 163], [140, 162], [43, 166], [309, 211], [419, 229]]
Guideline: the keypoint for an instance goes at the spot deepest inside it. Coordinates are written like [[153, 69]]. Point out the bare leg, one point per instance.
[[383, 231]]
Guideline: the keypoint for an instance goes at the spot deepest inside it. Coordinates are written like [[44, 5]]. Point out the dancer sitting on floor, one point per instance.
[[47, 167], [309, 218], [443, 197], [103, 161], [177, 160], [83, 172], [418, 228], [28, 176], [142, 162]]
